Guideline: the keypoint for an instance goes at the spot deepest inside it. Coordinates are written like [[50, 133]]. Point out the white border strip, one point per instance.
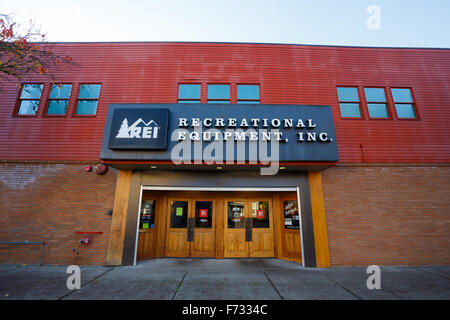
[[299, 204], [137, 227], [219, 188]]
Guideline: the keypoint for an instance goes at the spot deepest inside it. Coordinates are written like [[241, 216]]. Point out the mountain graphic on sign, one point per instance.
[[124, 131]]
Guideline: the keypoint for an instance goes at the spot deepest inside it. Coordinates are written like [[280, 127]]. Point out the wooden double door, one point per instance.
[[248, 228], [191, 227]]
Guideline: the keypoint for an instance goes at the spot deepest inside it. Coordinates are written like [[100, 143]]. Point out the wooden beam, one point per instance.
[[319, 220], [119, 218]]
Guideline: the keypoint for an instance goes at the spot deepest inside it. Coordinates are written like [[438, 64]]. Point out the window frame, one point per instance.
[[74, 113], [367, 102], [188, 83], [19, 100], [218, 100], [414, 104], [243, 101], [46, 114], [361, 117]]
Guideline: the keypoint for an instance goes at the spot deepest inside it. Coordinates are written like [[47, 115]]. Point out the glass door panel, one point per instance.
[[203, 214], [178, 214], [260, 214], [236, 214]]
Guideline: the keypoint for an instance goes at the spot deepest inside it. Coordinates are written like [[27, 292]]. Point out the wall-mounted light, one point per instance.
[[101, 168]]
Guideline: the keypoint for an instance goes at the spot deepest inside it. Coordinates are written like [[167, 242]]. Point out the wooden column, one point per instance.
[[119, 218], [319, 220]]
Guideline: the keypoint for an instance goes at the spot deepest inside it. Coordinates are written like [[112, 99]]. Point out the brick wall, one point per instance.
[[388, 215], [50, 202]]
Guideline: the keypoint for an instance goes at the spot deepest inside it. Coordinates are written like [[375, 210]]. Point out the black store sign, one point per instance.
[[143, 129], [297, 133]]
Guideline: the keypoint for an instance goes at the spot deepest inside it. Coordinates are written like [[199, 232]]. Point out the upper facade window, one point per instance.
[[218, 93], [404, 103], [189, 93], [247, 93], [88, 99], [349, 102], [59, 99], [376, 102], [29, 99]]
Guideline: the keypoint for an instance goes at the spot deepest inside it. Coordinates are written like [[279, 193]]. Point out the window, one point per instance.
[[88, 99], [404, 103], [247, 93], [147, 220], [218, 93], [291, 218], [29, 99], [189, 93], [59, 99], [349, 102], [376, 102]]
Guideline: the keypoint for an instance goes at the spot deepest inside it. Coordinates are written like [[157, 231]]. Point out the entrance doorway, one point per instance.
[[209, 224]]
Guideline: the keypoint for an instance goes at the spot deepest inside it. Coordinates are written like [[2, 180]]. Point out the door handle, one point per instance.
[[190, 230], [248, 229]]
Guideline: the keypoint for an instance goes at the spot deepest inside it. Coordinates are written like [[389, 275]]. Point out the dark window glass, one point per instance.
[[260, 214], [347, 94], [89, 91], [218, 93], [403, 103], [189, 92], [236, 215], [247, 92], [402, 95], [291, 219], [60, 91], [377, 110], [31, 91], [59, 99], [147, 214], [28, 107], [375, 94], [350, 110], [29, 98], [88, 99], [57, 106], [373, 97], [203, 214], [87, 107], [405, 110], [178, 214], [347, 98]]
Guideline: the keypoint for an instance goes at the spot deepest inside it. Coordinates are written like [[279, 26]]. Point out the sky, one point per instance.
[[385, 23]]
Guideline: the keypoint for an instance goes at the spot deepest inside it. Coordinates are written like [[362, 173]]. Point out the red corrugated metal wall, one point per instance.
[[287, 74]]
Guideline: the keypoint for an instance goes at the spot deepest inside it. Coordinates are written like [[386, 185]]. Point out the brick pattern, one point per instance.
[[50, 202], [387, 215]]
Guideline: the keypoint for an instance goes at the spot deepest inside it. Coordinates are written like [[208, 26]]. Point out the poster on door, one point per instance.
[[260, 214], [203, 213]]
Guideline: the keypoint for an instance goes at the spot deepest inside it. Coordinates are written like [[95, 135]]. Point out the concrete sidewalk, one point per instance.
[[233, 279]]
